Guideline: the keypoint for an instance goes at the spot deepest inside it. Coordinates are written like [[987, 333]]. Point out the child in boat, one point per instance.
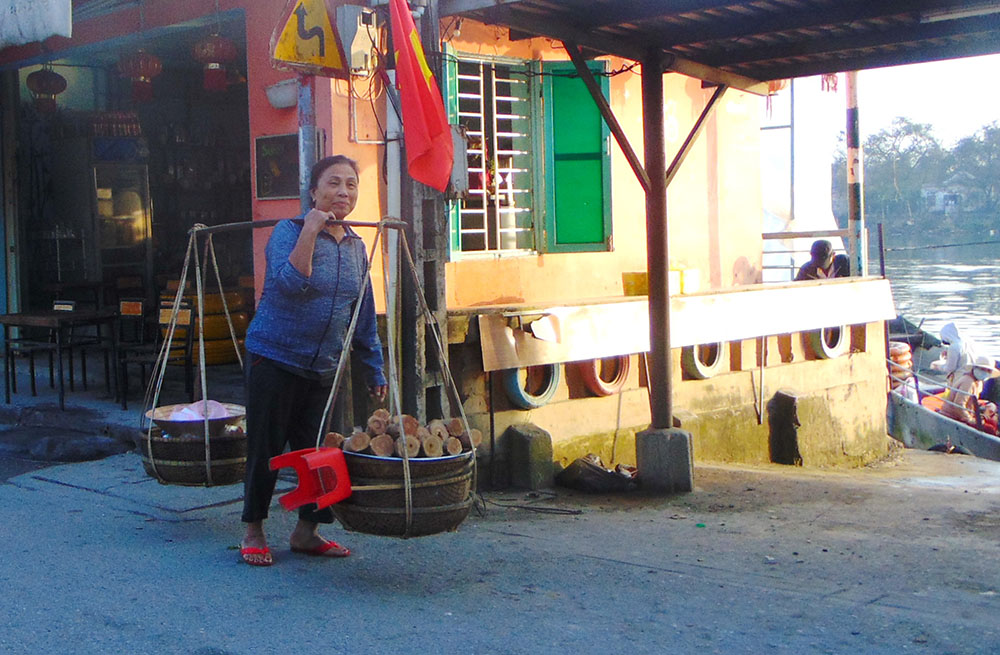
[[964, 397]]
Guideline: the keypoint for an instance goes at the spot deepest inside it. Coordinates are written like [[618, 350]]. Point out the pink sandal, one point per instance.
[[247, 552], [322, 550]]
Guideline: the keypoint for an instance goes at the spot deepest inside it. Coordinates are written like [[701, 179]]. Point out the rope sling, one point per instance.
[[152, 395]]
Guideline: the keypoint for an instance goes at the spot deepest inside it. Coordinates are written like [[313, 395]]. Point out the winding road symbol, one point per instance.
[[306, 35], [306, 40]]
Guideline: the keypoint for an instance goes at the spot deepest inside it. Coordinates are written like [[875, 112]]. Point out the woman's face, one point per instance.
[[336, 190]]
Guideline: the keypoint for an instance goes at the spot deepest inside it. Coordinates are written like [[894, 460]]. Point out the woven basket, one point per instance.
[[179, 457], [181, 460], [440, 489], [216, 426]]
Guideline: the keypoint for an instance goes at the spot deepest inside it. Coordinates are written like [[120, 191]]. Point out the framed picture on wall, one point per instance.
[[277, 159]]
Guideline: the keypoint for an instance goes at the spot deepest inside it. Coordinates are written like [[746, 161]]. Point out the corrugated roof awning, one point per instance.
[[742, 42]]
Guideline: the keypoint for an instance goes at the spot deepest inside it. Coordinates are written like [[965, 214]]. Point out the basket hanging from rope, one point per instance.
[[390, 496], [176, 455], [394, 496], [204, 449]]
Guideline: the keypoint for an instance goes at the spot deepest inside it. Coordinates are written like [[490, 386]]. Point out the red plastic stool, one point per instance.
[[322, 475]]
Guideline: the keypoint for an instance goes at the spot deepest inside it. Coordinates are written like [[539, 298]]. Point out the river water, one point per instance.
[[942, 285]]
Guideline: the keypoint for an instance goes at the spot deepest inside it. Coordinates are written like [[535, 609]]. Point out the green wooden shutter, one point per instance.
[[578, 166], [449, 73]]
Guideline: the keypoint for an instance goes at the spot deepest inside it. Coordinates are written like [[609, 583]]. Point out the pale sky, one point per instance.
[[957, 96]]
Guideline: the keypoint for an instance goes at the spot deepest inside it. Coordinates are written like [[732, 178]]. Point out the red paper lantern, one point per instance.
[[774, 86], [214, 52], [45, 84], [140, 67]]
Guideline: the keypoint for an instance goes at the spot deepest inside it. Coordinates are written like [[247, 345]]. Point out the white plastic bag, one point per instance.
[[194, 411]]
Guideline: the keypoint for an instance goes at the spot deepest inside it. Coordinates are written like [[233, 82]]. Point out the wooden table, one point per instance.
[[58, 321]]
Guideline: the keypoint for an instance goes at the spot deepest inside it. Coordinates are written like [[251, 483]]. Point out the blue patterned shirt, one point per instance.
[[301, 321]]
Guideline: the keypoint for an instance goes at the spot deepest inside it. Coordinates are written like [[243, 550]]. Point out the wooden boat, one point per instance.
[[921, 426], [904, 331]]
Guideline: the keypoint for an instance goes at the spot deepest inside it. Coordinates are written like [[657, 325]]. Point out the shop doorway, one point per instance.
[[141, 146]]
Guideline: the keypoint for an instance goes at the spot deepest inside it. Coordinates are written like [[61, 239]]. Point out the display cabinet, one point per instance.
[[121, 198], [97, 227]]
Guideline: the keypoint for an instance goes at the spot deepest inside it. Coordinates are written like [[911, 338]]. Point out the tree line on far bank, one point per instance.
[[923, 192]]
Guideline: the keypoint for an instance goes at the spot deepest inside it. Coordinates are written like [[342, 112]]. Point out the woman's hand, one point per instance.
[[315, 220], [378, 391], [301, 256]]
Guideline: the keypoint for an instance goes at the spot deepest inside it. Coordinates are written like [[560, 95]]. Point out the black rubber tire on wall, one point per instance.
[[702, 361], [522, 397]]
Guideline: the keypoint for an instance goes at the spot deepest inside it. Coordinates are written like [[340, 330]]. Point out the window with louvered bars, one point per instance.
[[494, 105]]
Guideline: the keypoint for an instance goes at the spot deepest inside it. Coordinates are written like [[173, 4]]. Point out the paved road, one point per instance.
[[11, 466], [901, 558]]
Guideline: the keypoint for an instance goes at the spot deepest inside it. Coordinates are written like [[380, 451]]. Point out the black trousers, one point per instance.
[[282, 409]]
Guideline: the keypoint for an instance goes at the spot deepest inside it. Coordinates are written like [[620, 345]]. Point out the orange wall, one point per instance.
[[714, 204], [331, 116]]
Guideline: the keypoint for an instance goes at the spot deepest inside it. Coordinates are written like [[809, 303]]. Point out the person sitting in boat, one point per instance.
[[961, 402], [991, 389], [823, 264], [958, 355], [989, 413]]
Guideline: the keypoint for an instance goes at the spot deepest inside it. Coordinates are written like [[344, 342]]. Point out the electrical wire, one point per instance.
[[537, 509], [941, 245], [625, 68]]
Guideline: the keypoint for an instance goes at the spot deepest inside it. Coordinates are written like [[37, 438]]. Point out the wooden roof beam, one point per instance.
[[714, 75]]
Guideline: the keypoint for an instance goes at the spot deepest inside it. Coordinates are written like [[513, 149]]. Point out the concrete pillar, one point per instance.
[[530, 459], [664, 460]]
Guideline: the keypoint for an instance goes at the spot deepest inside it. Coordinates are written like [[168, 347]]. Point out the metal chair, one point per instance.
[[133, 344], [86, 343], [130, 330], [30, 346]]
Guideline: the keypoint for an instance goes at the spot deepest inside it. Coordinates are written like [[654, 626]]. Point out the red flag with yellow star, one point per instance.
[[429, 153]]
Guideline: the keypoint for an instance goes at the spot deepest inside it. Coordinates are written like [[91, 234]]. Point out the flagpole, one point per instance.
[[855, 182], [393, 162]]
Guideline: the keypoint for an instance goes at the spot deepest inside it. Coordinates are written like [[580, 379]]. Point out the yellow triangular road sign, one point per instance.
[[307, 40]]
